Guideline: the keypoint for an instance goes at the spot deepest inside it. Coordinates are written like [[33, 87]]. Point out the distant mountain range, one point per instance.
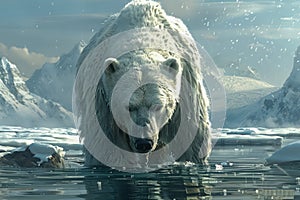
[[242, 91], [55, 81], [46, 97], [19, 106], [235, 69], [278, 109]]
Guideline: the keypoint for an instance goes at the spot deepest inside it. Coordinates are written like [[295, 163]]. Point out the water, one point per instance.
[[262, 35], [234, 172]]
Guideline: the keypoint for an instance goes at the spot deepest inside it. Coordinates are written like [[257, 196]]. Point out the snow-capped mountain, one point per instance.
[[293, 81], [278, 109], [18, 106], [55, 80], [236, 69], [242, 91]]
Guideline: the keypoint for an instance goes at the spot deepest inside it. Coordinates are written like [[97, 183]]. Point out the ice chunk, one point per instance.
[[45, 151], [289, 153]]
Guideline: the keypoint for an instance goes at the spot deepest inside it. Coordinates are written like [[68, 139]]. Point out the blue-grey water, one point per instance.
[[235, 171], [260, 34]]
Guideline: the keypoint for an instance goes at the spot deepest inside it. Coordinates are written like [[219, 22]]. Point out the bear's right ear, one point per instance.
[[172, 63], [111, 65]]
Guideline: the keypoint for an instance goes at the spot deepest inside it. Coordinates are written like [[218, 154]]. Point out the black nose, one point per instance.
[[143, 145]]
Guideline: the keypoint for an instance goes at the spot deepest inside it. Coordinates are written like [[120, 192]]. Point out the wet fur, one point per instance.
[[150, 14]]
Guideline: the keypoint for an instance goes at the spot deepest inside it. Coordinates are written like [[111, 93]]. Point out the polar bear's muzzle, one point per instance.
[[143, 145]]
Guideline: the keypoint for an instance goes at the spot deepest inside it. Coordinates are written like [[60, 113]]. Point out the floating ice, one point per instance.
[[45, 151], [289, 153]]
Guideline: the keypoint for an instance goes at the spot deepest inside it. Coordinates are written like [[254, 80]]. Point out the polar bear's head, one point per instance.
[[137, 96], [139, 88]]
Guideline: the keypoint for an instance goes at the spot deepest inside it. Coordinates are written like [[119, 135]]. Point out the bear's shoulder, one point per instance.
[[136, 14]]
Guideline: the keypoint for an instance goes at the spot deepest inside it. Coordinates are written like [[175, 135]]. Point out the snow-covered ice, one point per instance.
[[289, 153], [45, 151], [45, 141], [12, 137], [253, 136]]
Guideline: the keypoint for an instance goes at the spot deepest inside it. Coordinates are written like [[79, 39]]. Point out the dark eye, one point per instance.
[[131, 108]]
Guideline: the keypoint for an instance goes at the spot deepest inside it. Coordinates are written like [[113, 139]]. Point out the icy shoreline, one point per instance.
[[15, 136], [67, 139]]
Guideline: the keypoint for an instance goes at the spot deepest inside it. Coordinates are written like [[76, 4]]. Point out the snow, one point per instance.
[[242, 91], [43, 142], [42, 151], [235, 84], [278, 109], [45, 151], [289, 153], [251, 136], [13, 137], [234, 69], [293, 81], [18, 106], [55, 81]]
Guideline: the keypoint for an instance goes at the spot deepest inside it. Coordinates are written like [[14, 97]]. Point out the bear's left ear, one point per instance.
[[111, 65], [172, 64]]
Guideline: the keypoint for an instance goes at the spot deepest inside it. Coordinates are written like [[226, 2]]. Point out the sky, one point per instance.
[[260, 34]]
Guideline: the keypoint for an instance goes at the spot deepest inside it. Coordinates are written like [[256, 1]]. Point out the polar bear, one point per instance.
[[148, 97]]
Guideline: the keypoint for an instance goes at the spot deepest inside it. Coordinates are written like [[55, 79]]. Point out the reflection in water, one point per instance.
[[174, 183], [234, 172], [239, 181]]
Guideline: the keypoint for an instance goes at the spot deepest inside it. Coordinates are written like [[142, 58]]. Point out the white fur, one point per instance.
[[141, 24]]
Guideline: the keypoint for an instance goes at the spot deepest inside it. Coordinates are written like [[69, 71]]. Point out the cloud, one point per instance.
[[26, 61]]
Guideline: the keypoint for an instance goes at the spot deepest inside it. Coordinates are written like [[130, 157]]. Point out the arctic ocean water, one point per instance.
[[236, 170]]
